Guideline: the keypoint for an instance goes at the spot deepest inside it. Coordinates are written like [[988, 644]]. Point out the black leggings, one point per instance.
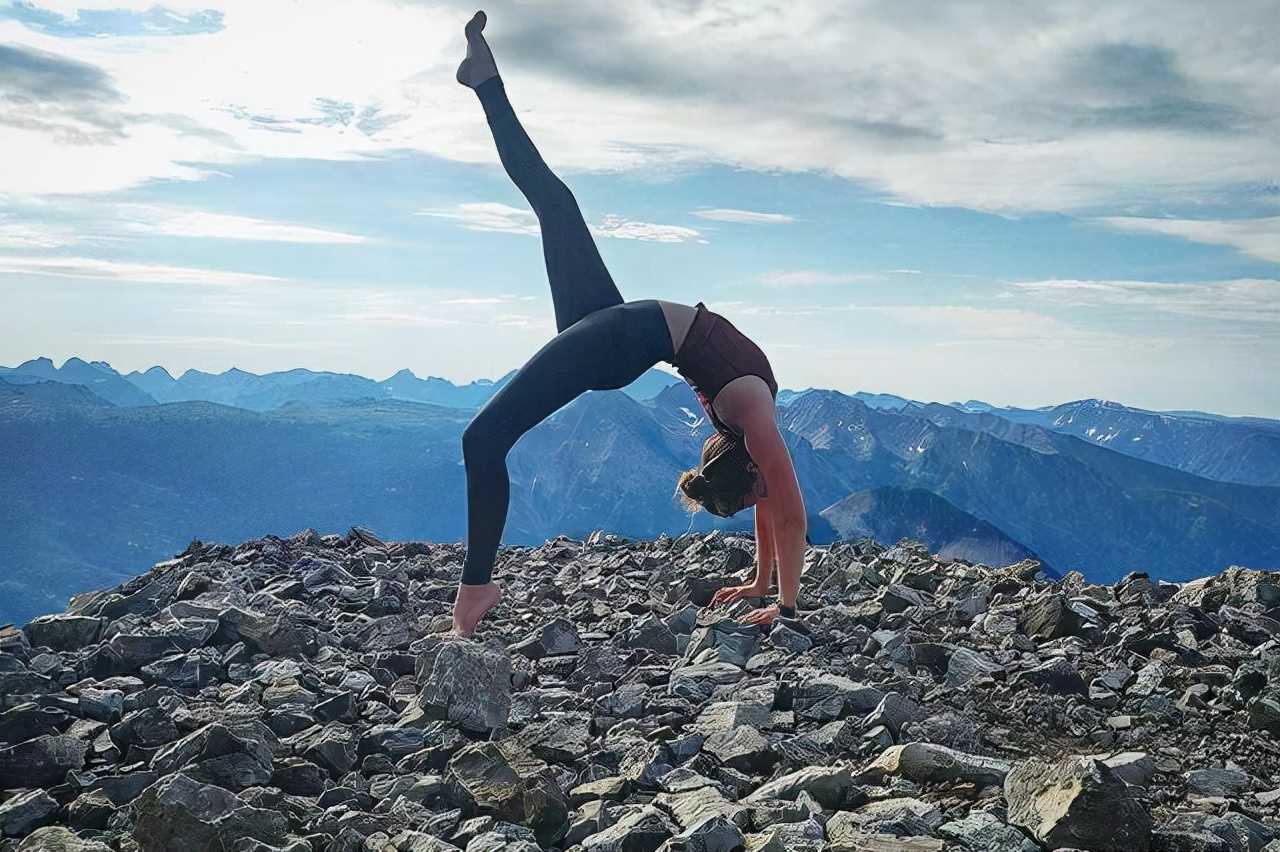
[[603, 342]]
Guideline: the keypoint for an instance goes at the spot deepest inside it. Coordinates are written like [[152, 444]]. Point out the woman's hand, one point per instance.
[[729, 594], [763, 617]]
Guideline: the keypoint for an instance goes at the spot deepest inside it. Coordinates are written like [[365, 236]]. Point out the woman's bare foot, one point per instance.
[[473, 602], [479, 65]]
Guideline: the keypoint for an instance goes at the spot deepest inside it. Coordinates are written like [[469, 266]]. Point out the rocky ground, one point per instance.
[[300, 694]]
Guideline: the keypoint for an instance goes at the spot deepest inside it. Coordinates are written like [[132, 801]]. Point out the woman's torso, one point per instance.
[[711, 353]]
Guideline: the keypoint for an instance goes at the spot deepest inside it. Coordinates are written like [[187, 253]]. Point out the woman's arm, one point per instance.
[[783, 506], [765, 561]]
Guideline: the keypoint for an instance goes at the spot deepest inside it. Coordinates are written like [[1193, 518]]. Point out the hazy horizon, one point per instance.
[[177, 374]]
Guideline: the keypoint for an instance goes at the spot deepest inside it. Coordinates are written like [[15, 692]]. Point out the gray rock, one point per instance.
[[692, 808], [1076, 802], [469, 685], [784, 636], [983, 832], [829, 785], [63, 632], [1218, 782], [639, 829], [55, 838], [25, 812], [41, 761], [742, 748], [179, 813], [966, 667], [90, 810], [825, 697], [232, 757], [483, 777], [926, 763], [1133, 767]]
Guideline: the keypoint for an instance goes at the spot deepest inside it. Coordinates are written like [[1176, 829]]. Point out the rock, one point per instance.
[[332, 747], [742, 748], [90, 810], [717, 834], [787, 637], [1132, 767], [469, 685], [63, 632], [179, 813], [232, 757], [983, 832], [41, 761], [25, 812], [965, 667], [829, 785], [1076, 802], [925, 763], [299, 777], [55, 838], [559, 637], [1264, 711], [482, 777], [1218, 782], [1057, 675], [243, 692], [639, 829], [692, 808], [825, 697]]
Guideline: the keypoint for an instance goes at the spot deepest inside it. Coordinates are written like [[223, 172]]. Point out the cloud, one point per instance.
[[503, 218], [90, 23], [810, 276], [132, 273], [743, 217], [489, 216], [70, 101], [177, 223], [193, 340], [419, 310], [1244, 300], [26, 235], [621, 228], [1037, 107], [1258, 238]]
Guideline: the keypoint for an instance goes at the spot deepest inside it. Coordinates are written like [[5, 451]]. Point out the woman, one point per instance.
[[604, 342]]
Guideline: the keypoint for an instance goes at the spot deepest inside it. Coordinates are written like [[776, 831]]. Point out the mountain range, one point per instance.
[[104, 474]]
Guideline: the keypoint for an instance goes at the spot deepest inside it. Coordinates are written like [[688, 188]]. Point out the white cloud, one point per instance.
[[621, 228], [743, 217], [503, 218], [178, 223], [132, 273], [1237, 300], [1258, 238], [1046, 106], [489, 216], [810, 276], [26, 235]]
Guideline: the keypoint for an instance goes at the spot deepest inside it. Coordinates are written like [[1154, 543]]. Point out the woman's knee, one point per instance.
[[485, 440]]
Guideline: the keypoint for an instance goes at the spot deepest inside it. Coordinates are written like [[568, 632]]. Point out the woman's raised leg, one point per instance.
[[580, 283]]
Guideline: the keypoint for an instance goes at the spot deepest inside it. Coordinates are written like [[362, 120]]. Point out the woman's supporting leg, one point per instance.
[[580, 283], [608, 349]]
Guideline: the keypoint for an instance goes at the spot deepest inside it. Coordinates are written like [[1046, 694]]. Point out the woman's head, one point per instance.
[[725, 483]]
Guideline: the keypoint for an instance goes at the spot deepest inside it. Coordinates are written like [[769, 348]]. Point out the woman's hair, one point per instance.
[[724, 483]]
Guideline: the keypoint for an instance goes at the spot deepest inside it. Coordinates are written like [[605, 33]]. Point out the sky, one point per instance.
[[1023, 203]]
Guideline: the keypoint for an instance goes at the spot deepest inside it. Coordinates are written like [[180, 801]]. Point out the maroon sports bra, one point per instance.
[[715, 353]]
